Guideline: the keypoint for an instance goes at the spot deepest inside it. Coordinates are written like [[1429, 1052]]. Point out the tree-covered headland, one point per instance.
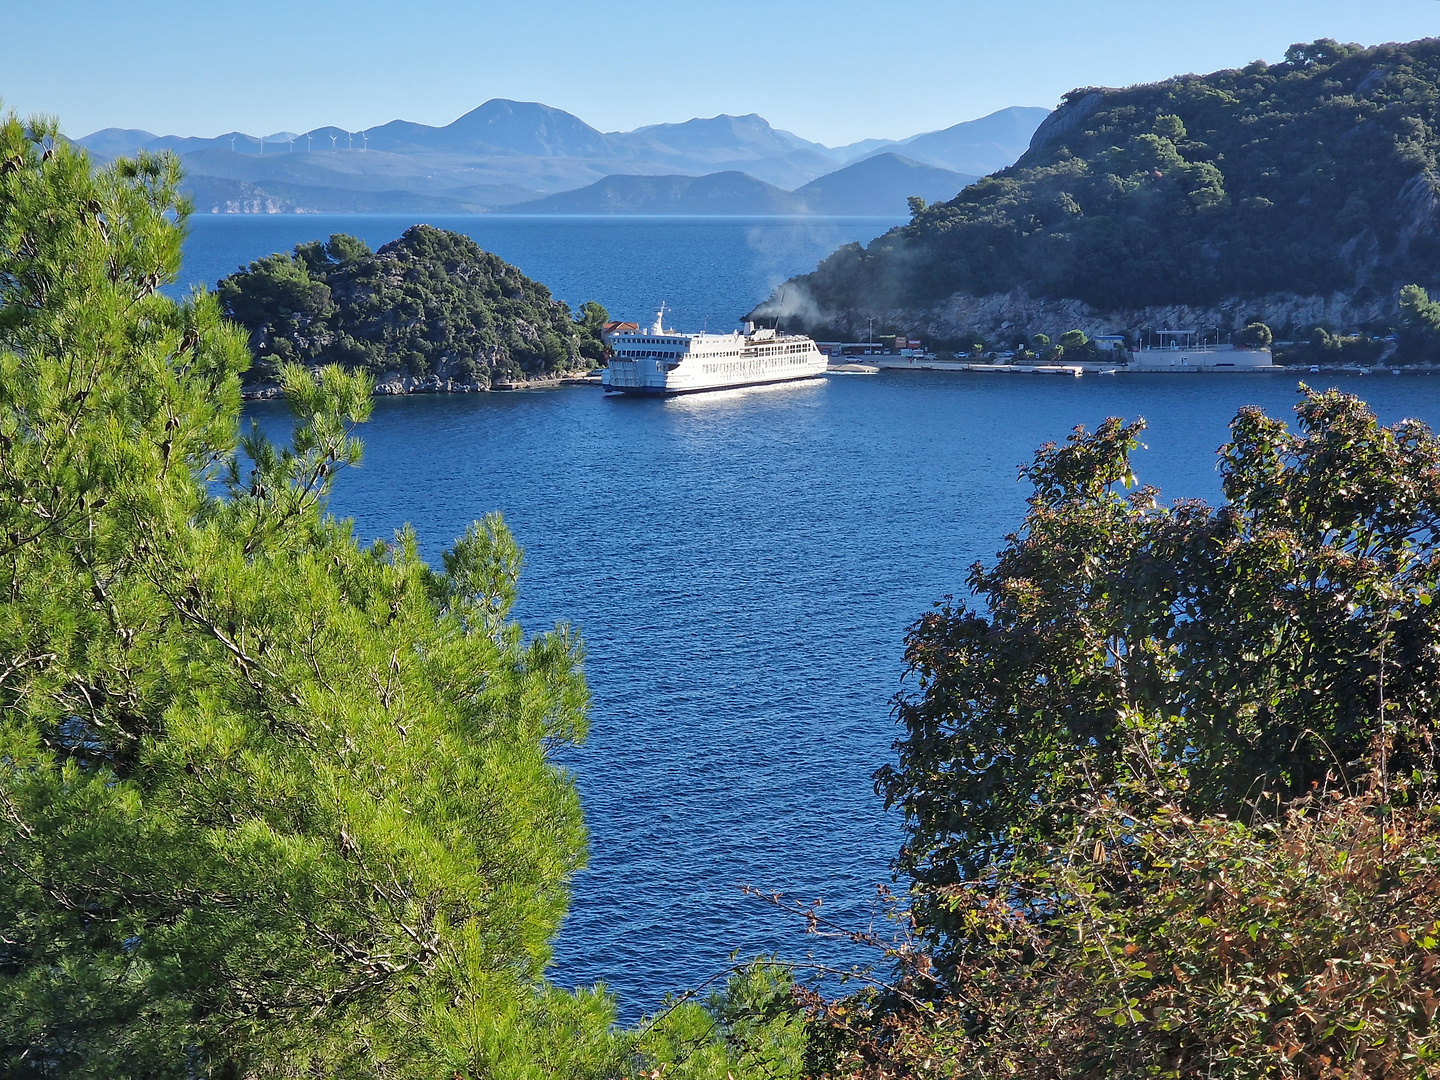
[[428, 310], [1298, 194]]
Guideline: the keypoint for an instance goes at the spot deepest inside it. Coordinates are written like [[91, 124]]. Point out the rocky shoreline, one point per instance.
[[392, 385], [998, 315]]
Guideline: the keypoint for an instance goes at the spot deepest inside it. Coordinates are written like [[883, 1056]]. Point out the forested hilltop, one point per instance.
[[430, 311], [1300, 192]]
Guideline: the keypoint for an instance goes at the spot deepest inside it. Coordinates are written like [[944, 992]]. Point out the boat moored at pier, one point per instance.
[[660, 361]]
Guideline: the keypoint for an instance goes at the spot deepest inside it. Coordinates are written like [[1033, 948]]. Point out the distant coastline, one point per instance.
[[878, 186], [515, 153]]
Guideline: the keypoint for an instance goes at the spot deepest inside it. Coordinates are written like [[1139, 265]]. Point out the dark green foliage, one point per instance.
[[272, 804], [751, 1026], [1335, 350], [1073, 346], [592, 320], [1308, 176], [1419, 326], [1251, 648], [431, 303], [1256, 335]]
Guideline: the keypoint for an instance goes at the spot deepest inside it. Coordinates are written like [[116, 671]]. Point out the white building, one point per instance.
[[1188, 350]]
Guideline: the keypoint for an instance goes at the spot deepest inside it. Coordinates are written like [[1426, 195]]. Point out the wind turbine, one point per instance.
[[333, 140], [262, 144], [232, 144], [307, 142], [292, 147], [365, 142], [349, 141]]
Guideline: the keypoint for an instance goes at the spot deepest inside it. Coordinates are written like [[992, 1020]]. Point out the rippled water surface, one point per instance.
[[743, 566]]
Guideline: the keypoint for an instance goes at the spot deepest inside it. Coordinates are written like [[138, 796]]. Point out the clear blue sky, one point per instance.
[[830, 70]]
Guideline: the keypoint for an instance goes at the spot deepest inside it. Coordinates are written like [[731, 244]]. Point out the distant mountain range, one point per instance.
[[523, 155], [875, 186]]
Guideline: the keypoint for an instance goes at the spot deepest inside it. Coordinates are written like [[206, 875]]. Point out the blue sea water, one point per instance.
[[709, 270], [742, 566]]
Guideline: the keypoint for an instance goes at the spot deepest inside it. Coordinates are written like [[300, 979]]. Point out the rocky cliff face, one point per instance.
[[1078, 107], [1001, 317], [236, 197]]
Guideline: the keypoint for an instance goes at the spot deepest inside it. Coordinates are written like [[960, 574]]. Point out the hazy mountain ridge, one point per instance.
[[728, 192], [974, 146], [874, 186], [507, 152], [880, 183]]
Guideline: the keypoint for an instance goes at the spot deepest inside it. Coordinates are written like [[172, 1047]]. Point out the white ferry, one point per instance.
[[663, 361]]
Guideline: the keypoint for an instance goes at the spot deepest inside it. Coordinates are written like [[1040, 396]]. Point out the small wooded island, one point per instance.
[[430, 312]]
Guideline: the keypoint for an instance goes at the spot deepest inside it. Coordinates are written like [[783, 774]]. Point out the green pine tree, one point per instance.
[[271, 803]]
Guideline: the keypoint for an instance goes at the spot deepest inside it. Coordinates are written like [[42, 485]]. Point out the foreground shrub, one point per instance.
[[1170, 785], [1305, 946], [1207, 653]]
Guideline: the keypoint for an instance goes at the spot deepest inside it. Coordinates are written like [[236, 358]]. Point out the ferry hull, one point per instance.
[[675, 391]]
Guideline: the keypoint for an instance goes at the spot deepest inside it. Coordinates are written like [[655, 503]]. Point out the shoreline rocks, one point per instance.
[[395, 385], [997, 314]]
